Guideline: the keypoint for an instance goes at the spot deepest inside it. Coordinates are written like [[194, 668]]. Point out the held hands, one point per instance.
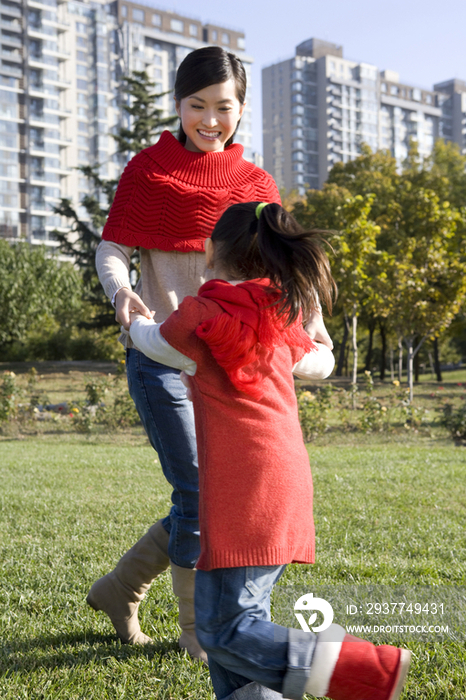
[[128, 302], [315, 328]]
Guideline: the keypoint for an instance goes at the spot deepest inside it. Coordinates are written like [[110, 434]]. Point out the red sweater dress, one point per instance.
[[255, 483]]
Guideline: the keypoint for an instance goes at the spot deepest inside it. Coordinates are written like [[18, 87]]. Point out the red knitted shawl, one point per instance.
[[242, 337], [171, 198]]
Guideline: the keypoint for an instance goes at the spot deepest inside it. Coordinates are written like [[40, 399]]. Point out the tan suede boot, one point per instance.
[[119, 593], [183, 588]]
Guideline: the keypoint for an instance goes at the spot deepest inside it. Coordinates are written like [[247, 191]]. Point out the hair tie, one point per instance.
[[260, 207]]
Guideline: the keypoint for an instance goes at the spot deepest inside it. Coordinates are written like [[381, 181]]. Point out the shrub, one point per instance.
[[454, 420], [313, 410], [10, 394]]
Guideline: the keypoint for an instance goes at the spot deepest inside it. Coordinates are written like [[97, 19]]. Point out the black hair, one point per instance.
[[276, 247], [209, 66]]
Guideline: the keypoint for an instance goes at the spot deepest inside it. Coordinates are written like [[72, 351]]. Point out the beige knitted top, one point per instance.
[[166, 277]]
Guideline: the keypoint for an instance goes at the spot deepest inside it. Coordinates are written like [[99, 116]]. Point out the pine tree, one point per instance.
[[81, 240]]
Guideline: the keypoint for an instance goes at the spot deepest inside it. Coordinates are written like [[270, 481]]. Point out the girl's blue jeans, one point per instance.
[[168, 419], [250, 657]]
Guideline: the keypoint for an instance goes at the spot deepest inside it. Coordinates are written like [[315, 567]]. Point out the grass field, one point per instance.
[[387, 513]]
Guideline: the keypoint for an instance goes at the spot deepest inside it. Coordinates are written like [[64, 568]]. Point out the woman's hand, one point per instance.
[[315, 328], [127, 301]]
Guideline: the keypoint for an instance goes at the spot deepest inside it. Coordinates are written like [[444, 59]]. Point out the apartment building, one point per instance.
[[60, 69], [319, 107]]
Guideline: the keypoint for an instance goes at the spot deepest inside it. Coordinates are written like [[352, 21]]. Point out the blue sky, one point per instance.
[[423, 40]]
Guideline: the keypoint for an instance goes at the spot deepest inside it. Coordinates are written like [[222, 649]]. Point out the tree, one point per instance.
[[425, 269], [81, 241], [422, 229], [34, 287], [353, 239], [145, 112], [354, 252]]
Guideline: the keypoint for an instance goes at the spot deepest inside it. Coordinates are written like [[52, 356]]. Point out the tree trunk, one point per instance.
[[400, 360], [409, 344], [354, 344], [383, 359], [438, 371], [416, 368], [392, 368], [371, 327], [355, 347], [431, 363], [341, 356]]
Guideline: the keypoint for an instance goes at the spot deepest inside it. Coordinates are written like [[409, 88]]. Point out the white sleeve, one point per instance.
[[317, 364], [112, 262], [146, 336]]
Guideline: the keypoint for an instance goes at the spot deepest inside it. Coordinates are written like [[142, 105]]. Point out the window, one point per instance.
[[429, 99], [417, 94], [81, 28], [37, 197], [38, 226], [393, 90], [82, 126], [81, 56], [241, 42], [81, 70], [193, 30], [225, 38], [138, 15], [124, 11], [214, 35], [156, 20], [383, 87], [81, 84], [176, 25]]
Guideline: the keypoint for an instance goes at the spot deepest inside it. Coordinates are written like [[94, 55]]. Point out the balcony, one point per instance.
[[11, 71], [8, 40], [44, 29], [38, 207], [11, 56], [12, 25], [9, 10], [39, 234], [62, 26]]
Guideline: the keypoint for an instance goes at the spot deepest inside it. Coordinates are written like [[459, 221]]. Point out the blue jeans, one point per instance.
[[249, 656], [168, 419]]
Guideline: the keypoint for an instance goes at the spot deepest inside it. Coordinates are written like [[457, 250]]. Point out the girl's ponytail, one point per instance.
[[295, 262], [264, 240]]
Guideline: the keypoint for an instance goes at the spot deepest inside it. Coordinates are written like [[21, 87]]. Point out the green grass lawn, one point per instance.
[[71, 505]]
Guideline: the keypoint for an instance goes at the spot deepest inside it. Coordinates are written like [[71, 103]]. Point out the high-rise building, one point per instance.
[[61, 66], [319, 107]]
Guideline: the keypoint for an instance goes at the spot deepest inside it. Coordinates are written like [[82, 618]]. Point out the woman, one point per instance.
[[168, 200]]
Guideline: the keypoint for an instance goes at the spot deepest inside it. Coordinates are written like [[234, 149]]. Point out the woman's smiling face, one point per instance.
[[209, 117]]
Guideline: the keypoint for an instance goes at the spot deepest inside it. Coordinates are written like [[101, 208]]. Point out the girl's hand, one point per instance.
[[315, 328], [127, 301]]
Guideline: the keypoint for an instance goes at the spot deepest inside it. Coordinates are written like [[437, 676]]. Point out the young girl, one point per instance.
[[167, 203], [240, 339]]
